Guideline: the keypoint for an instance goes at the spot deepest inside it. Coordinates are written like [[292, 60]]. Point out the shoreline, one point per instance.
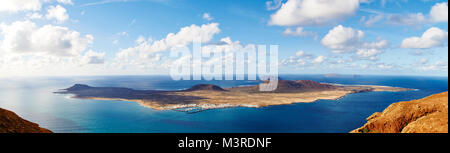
[[203, 106], [206, 96]]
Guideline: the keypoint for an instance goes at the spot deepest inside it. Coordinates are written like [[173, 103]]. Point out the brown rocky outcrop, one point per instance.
[[10, 122], [428, 115]]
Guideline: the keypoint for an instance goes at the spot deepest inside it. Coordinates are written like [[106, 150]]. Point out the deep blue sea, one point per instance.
[[32, 99]]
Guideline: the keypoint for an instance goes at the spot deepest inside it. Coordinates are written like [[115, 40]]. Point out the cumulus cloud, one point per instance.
[[409, 19], [384, 66], [207, 16], [439, 12], [34, 16], [342, 39], [147, 49], [57, 12], [92, 57], [433, 37], [425, 65], [185, 36], [26, 5], [20, 5], [319, 59], [27, 37], [303, 59], [313, 12], [65, 2], [300, 32]]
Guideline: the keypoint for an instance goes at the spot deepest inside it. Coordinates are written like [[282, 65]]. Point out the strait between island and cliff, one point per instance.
[[206, 96]]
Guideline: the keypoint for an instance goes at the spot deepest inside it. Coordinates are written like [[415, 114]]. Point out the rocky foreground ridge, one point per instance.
[[10, 122], [428, 115]]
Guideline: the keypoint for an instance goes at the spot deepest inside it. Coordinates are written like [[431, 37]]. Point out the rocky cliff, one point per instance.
[[10, 122], [428, 115]]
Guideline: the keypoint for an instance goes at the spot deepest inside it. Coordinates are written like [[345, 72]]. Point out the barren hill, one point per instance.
[[10, 122], [288, 86], [206, 87], [428, 115]]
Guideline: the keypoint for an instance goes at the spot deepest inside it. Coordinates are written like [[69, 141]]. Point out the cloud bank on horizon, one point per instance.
[[124, 37]]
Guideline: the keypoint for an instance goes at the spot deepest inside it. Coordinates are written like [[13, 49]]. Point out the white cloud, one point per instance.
[[69, 2], [433, 37], [373, 19], [20, 5], [302, 58], [57, 12], [147, 49], [409, 19], [299, 31], [207, 16], [122, 34], [319, 59], [185, 36], [369, 54], [26, 37], [26, 5], [92, 57], [423, 61], [384, 66], [300, 53], [437, 66], [439, 12], [34, 16], [313, 12], [342, 39]]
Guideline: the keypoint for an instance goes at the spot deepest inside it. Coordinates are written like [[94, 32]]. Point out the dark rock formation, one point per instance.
[[209, 87]]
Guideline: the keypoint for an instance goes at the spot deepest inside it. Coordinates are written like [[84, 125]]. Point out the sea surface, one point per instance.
[[34, 100]]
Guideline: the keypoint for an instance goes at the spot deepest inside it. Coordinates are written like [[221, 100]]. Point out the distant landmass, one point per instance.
[[207, 96], [335, 75], [10, 122], [428, 115]]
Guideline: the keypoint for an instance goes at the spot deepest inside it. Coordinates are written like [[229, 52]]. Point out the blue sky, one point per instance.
[[384, 48]]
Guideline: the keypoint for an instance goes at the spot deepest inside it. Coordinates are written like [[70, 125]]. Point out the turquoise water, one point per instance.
[[32, 98]]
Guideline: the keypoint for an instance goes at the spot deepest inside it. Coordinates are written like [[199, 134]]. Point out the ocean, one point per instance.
[[34, 100]]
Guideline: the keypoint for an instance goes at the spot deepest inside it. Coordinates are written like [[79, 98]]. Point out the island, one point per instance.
[[10, 122], [207, 96], [427, 115]]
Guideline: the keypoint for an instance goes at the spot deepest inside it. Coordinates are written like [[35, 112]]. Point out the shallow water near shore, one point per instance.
[[34, 100]]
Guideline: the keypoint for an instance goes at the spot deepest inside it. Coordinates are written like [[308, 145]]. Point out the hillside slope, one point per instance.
[[10, 122], [428, 115]]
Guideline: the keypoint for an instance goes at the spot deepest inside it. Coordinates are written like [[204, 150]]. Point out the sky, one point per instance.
[[135, 37]]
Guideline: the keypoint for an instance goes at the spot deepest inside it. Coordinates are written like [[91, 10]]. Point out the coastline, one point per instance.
[[239, 97]]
